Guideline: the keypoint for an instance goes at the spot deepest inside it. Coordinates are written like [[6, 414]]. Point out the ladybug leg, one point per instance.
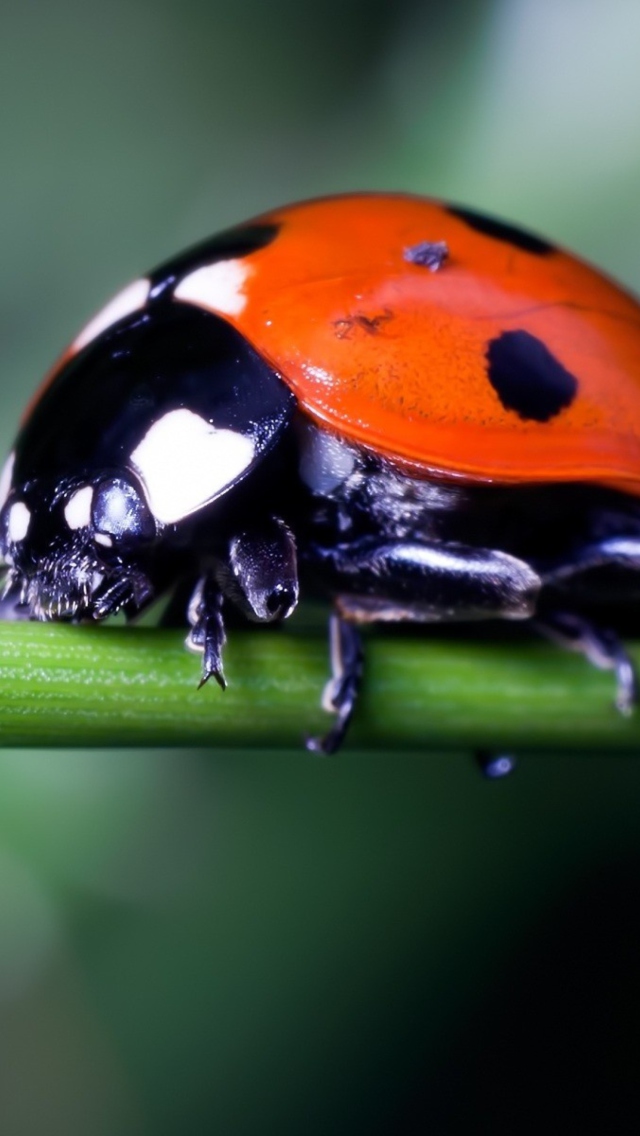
[[601, 647], [260, 574], [429, 582], [207, 635], [624, 552], [341, 692], [389, 582]]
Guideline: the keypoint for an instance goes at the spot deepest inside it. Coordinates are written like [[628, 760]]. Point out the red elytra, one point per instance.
[[392, 354]]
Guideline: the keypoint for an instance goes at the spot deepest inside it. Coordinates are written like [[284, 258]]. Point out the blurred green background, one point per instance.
[[251, 943]]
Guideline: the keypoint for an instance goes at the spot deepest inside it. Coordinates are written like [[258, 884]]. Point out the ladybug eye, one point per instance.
[[119, 513], [15, 521]]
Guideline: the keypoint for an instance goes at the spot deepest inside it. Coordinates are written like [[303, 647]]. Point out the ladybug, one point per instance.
[[416, 410]]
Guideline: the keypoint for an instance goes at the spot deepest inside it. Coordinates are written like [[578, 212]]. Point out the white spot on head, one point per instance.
[[19, 518], [5, 479], [103, 538], [217, 287], [77, 511], [184, 463], [325, 461], [129, 300]]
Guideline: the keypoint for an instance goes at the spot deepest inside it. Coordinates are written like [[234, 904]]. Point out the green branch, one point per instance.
[[85, 686]]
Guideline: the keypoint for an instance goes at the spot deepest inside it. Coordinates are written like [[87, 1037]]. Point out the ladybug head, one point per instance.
[[138, 432], [78, 549]]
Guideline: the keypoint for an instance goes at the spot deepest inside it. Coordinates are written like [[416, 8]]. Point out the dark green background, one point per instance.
[[255, 943]]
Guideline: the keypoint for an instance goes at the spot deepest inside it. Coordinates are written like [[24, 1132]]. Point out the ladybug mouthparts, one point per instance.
[[68, 548], [71, 582], [69, 587], [72, 588]]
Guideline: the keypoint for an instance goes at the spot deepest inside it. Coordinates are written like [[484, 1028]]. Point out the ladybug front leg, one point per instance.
[[600, 646], [260, 572], [207, 635]]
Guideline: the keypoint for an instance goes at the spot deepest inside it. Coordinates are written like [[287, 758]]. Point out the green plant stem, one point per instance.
[[83, 686]]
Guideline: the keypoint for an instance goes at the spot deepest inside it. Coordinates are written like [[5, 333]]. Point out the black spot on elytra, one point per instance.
[[501, 231], [228, 245], [427, 254], [527, 378]]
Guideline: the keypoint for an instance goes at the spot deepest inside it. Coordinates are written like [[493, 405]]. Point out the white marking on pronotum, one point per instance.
[[5, 479], [129, 300], [325, 461], [184, 462], [104, 539], [217, 287], [19, 518], [77, 511]]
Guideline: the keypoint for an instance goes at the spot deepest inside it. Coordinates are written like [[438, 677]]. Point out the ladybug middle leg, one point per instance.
[[401, 580], [387, 581], [341, 692], [207, 634]]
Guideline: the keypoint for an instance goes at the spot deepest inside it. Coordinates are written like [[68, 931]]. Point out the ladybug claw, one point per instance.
[[326, 745], [329, 743], [207, 635], [315, 744], [217, 675]]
